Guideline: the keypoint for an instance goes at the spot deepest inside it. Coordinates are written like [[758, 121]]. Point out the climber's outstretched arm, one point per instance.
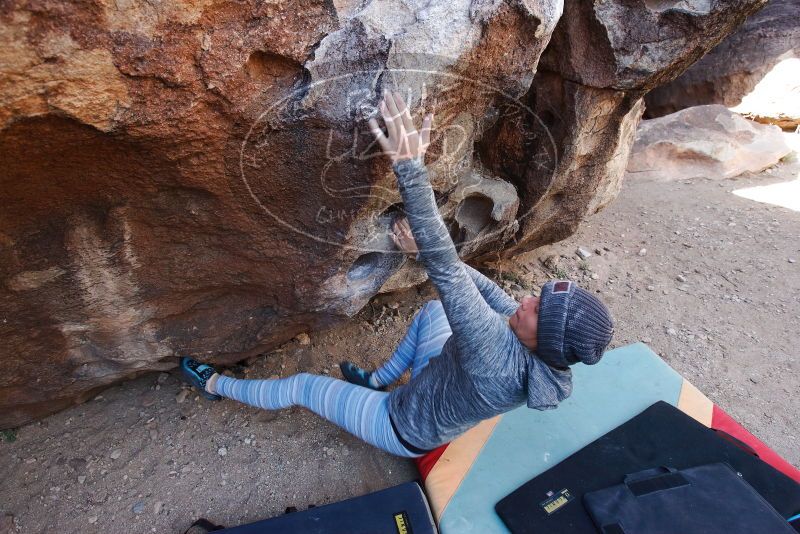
[[499, 300], [471, 319]]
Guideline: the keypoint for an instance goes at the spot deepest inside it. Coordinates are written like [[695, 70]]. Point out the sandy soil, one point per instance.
[[709, 280]]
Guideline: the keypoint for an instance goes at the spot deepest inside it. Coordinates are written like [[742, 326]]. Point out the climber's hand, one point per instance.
[[403, 238], [403, 140]]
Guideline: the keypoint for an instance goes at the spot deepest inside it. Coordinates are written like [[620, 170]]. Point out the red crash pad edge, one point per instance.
[[426, 463], [724, 422]]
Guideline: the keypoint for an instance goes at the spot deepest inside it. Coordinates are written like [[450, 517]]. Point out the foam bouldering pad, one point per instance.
[[467, 477], [698, 499], [662, 435], [401, 509]]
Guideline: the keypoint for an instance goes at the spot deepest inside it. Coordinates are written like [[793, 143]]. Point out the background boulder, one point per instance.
[[703, 142], [198, 177]]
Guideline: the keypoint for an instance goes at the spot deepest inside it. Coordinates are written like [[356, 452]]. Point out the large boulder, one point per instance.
[[703, 142], [587, 98], [197, 177], [732, 70]]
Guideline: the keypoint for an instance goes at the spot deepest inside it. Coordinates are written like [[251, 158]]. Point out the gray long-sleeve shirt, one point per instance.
[[483, 369]]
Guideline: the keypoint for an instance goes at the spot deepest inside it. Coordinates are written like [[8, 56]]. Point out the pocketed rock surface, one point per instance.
[[715, 293]]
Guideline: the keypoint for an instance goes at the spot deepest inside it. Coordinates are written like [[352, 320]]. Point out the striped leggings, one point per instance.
[[361, 411]]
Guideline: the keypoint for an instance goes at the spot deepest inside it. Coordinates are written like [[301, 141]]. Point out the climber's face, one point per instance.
[[525, 321]]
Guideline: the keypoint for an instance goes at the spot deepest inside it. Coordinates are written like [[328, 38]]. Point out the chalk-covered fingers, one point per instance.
[[402, 236], [403, 114], [381, 137], [388, 119], [425, 132], [402, 140]]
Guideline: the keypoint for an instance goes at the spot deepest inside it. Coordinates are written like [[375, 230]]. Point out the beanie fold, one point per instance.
[[574, 325]]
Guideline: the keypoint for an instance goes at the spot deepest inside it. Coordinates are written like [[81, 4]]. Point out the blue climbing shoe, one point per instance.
[[356, 375], [197, 374]]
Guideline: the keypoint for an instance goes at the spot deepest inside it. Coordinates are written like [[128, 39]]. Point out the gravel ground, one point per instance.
[[709, 280]]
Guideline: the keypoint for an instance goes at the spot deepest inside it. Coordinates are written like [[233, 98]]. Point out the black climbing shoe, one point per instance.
[[356, 375], [198, 374]]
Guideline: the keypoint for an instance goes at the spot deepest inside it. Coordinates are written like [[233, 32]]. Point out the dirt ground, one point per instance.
[[709, 280]]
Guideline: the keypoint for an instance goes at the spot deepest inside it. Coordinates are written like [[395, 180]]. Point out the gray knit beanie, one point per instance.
[[574, 326]]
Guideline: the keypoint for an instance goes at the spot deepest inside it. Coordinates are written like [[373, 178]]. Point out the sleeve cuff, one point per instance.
[[408, 165]]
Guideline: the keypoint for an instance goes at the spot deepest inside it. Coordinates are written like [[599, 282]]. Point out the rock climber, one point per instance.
[[473, 354]]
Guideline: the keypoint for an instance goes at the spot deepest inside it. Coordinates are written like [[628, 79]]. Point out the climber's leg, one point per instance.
[[424, 339], [361, 411]]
